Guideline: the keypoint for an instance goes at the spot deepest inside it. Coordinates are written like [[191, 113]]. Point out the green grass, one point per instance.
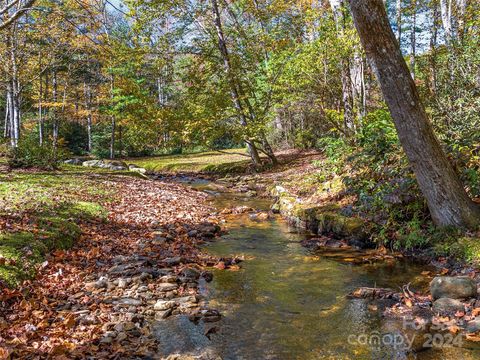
[[212, 161], [44, 210]]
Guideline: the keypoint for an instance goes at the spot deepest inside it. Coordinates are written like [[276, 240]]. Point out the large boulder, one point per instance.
[[453, 287], [93, 163], [473, 326], [446, 306], [116, 165], [74, 161], [135, 168]]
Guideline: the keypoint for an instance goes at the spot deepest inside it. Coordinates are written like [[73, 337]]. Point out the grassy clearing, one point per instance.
[[42, 211], [212, 161]]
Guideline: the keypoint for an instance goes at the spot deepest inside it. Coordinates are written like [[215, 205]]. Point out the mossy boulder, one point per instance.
[[454, 287], [341, 226]]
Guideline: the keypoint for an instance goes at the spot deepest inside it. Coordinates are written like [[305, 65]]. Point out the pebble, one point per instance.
[[163, 287], [124, 326], [173, 261], [128, 301], [164, 305], [160, 315], [121, 336], [168, 279]]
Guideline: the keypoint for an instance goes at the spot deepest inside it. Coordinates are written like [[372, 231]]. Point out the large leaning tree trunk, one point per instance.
[[447, 200]]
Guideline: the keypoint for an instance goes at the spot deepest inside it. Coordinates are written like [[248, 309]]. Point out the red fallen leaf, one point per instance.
[[69, 322], [220, 265], [4, 353], [473, 337], [453, 329], [459, 314]]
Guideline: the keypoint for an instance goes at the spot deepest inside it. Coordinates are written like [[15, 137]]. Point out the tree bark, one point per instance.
[[55, 112], [447, 200], [433, 46], [446, 11], [87, 92], [413, 38], [399, 22], [6, 129], [348, 116], [114, 125], [13, 88], [40, 111]]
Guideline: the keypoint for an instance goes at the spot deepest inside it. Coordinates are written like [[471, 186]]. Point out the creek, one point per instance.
[[288, 303]]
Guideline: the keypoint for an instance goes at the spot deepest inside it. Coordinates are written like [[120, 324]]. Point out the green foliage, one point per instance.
[[378, 135], [75, 137], [30, 154], [101, 135], [304, 139]]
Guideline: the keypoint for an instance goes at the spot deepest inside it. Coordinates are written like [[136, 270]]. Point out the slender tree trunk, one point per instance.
[[40, 111], [88, 107], [447, 200], [399, 22], [413, 38], [6, 130], [234, 90], [120, 140], [433, 46], [446, 11], [160, 91], [461, 10], [55, 112], [348, 116], [114, 125], [357, 72], [14, 86]]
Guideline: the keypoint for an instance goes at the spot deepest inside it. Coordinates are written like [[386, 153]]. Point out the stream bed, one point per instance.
[[287, 303]]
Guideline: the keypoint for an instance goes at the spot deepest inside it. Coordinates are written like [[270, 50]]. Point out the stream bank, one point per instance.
[[288, 301]]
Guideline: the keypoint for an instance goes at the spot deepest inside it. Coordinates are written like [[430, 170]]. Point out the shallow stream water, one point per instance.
[[287, 303]]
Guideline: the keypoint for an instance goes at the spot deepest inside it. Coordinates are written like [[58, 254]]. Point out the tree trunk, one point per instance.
[[55, 112], [348, 117], [413, 38], [446, 11], [14, 89], [234, 87], [40, 112], [6, 129], [447, 200], [399, 22], [114, 125], [461, 10], [87, 92], [433, 47]]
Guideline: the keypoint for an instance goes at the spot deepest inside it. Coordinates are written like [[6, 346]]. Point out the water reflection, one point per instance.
[[288, 304]]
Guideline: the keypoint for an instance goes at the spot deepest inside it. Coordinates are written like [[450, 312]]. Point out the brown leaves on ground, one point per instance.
[[57, 316]]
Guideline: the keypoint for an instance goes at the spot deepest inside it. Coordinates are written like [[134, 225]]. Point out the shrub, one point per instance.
[[378, 135], [29, 154], [305, 139]]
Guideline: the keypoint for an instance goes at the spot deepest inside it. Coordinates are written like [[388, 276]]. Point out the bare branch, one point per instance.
[[17, 14]]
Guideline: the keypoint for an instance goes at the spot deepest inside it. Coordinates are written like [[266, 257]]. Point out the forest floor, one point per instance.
[[91, 258]]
